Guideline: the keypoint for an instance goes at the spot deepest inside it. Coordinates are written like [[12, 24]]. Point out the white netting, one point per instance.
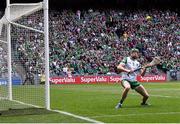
[[28, 62], [19, 10], [3, 63]]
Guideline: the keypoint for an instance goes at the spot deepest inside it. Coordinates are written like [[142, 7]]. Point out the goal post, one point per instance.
[[11, 30], [9, 51], [46, 39]]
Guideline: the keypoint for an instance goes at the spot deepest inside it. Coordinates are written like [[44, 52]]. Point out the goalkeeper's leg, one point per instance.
[[126, 87], [141, 90]]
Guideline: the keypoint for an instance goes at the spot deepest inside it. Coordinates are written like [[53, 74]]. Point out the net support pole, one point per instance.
[[46, 41], [9, 51]]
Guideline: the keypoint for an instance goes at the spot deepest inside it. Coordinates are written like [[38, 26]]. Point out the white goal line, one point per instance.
[[79, 117], [3, 98], [58, 111]]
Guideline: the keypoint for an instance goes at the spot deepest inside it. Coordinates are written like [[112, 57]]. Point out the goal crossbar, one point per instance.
[[37, 6]]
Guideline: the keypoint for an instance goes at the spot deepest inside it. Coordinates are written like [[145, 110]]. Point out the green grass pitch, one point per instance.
[[98, 102]]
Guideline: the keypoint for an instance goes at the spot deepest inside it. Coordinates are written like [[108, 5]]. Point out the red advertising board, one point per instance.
[[103, 79], [80, 80], [94, 79], [152, 78], [64, 80], [114, 79]]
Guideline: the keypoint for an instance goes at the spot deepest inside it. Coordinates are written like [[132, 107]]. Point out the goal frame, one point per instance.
[[46, 43]]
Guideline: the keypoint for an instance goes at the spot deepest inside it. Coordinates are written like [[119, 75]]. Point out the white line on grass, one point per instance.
[[63, 112], [164, 96], [80, 117], [164, 89], [109, 116], [26, 104], [3, 98], [158, 96]]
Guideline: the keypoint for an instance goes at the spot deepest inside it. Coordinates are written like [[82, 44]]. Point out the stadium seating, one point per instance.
[[95, 41]]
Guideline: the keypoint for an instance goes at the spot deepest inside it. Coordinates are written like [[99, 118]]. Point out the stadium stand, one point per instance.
[[95, 41]]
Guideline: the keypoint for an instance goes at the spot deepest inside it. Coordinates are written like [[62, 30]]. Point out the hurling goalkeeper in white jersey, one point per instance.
[[127, 67]]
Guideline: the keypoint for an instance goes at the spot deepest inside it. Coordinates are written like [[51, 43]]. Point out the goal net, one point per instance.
[[27, 58]]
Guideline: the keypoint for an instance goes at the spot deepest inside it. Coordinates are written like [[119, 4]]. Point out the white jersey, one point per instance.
[[131, 65]]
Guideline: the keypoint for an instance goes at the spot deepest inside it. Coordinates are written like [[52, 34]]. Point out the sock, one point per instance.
[[121, 101], [143, 102]]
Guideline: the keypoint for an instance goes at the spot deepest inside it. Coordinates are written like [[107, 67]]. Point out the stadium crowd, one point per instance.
[[95, 41], [3, 56]]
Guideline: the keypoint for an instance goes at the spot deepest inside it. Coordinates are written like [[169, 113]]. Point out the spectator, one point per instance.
[[89, 42]]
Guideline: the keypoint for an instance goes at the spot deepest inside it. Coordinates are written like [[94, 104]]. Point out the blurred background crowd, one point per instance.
[[94, 41]]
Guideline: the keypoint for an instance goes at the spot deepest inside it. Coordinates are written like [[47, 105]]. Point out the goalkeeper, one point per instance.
[[128, 65]]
